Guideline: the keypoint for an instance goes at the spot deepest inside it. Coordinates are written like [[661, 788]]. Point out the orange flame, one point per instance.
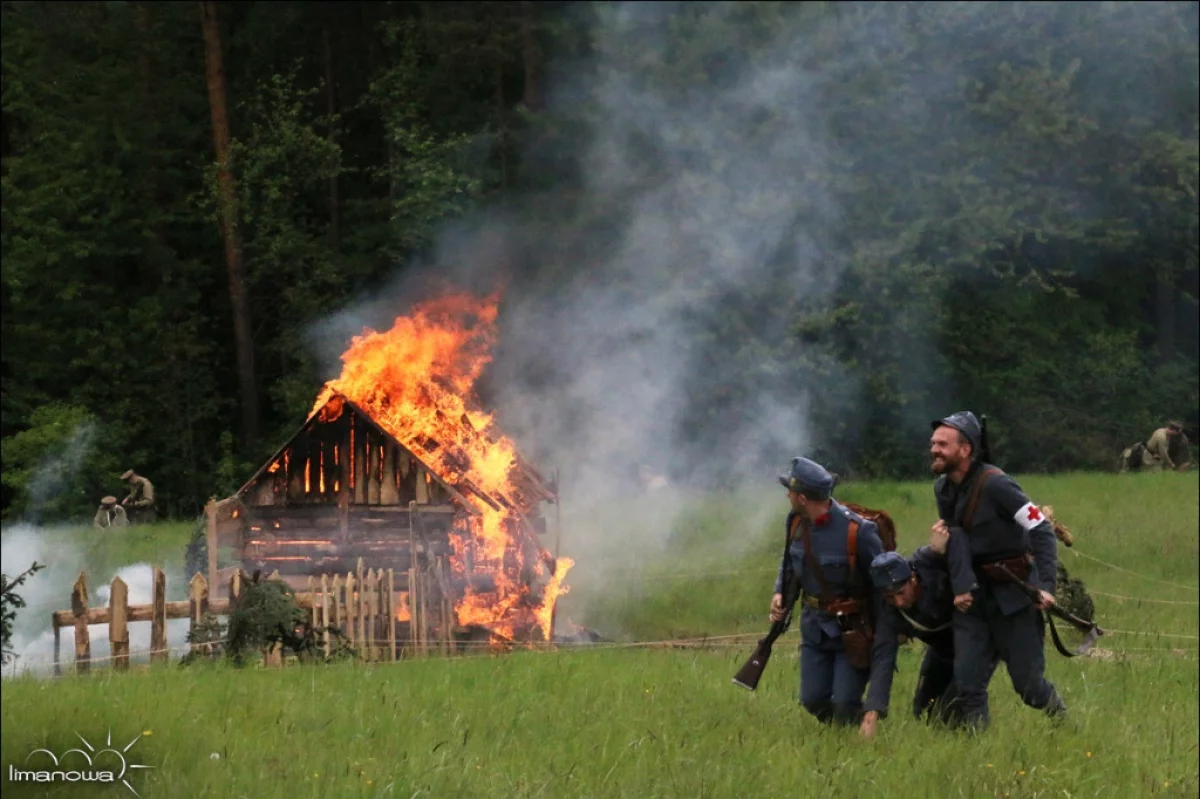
[[417, 382]]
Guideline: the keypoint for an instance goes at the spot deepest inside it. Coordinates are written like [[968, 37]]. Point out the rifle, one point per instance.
[[751, 671], [1090, 628], [985, 451]]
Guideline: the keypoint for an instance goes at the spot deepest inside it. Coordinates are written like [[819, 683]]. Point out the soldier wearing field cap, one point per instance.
[[109, 515], [140, 501], [996, 536], [830, 551], [917, 603], [1170, 447]]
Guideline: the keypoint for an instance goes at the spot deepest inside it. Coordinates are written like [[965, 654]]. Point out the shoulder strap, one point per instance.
[[852, 545], [976, 494], [810, 562]]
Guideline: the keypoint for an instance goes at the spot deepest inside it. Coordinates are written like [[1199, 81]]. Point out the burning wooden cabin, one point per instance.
[[343, 487]]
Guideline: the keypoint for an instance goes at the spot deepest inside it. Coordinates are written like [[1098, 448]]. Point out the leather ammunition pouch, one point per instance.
[[994, 571], [858, 638]]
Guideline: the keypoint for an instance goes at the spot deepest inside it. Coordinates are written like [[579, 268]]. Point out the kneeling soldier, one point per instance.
[[918, 603], [831, 551]]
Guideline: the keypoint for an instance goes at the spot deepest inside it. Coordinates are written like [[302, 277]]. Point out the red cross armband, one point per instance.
[[1029, 516]]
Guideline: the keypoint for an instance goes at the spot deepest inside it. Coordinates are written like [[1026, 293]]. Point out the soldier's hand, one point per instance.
[[939, 537], [1047, 600], [867, 728], [777, 609], [963, 601]]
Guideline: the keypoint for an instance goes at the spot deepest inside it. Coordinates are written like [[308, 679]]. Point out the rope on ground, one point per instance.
[[1143, 599], [1150, 633], [1077, 553]]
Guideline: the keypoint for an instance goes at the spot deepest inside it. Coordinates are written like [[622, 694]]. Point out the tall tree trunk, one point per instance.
[[238, 297], [331, 110], [532, 94]]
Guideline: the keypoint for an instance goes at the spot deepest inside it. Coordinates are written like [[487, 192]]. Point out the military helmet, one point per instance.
[[109, 501]]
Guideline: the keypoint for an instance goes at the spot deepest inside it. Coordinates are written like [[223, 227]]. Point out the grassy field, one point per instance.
[[625, 721]]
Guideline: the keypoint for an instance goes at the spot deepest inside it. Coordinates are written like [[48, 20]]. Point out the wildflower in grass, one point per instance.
[[1089, 754], [989, 765], [1020, 773], [147, 732]]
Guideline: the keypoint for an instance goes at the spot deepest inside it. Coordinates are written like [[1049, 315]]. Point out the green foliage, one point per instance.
[[60, 466], [10, 603], [1014, 229], [265, 614]]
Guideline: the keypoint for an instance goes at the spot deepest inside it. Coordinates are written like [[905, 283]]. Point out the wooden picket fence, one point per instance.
[[364, 605]]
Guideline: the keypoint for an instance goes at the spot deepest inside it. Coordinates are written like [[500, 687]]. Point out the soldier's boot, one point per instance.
[[823, 711], [847, 714], [1055, 707]]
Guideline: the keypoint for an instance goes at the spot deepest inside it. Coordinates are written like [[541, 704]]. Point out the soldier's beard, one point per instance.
[[944, 464]]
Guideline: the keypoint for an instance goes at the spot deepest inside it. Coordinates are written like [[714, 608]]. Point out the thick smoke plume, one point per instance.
[[694, 219]]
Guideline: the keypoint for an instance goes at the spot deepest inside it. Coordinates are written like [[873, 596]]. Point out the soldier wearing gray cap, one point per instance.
[[830, 550], [996, 534], [917, 603]]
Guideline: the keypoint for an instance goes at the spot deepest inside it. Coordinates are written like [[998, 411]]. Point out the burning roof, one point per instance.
[[416, 381]]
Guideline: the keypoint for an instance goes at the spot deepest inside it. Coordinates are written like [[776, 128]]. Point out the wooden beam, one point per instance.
[[79, 608], [118, 628], [211, 538], [158, 617]]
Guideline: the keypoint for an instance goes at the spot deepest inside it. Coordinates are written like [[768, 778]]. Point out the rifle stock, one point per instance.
[[752, 670]]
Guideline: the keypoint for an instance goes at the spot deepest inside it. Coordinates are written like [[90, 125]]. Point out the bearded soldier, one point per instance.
[[830, 549], [996, 536]]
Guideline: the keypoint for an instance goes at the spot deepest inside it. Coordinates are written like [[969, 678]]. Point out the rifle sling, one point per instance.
[[1058, 644], [810, 560], [968, 518]]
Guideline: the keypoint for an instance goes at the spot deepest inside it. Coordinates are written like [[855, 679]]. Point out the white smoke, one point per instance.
[[49, 590], [701, 219]]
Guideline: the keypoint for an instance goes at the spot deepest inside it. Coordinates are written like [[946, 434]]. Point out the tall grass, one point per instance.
[[625, 722]]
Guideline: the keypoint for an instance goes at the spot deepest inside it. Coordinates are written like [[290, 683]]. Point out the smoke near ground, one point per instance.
[[652, 291], [49, 590]]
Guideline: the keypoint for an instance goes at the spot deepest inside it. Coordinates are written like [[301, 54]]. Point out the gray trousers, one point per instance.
[[983, 634]]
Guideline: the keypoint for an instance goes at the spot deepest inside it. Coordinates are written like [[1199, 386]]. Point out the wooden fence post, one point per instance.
[[325, 611], [118, 624], [360, 605], [79, 606], [351, 609], [158, 618], [274, 654], [390, 606], [198, 606]]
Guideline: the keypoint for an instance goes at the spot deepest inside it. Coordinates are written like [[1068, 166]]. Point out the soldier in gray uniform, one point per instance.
[[917, 603], [994, 531], [831, 556]]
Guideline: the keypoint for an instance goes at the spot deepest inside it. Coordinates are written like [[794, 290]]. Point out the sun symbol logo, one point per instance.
[[108, 753]]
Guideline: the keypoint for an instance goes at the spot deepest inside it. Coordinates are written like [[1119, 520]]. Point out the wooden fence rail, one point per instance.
[[378, 622]]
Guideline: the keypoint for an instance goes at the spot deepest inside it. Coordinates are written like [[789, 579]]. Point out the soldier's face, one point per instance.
[[946, 452], [905, 598], [798, 502]]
